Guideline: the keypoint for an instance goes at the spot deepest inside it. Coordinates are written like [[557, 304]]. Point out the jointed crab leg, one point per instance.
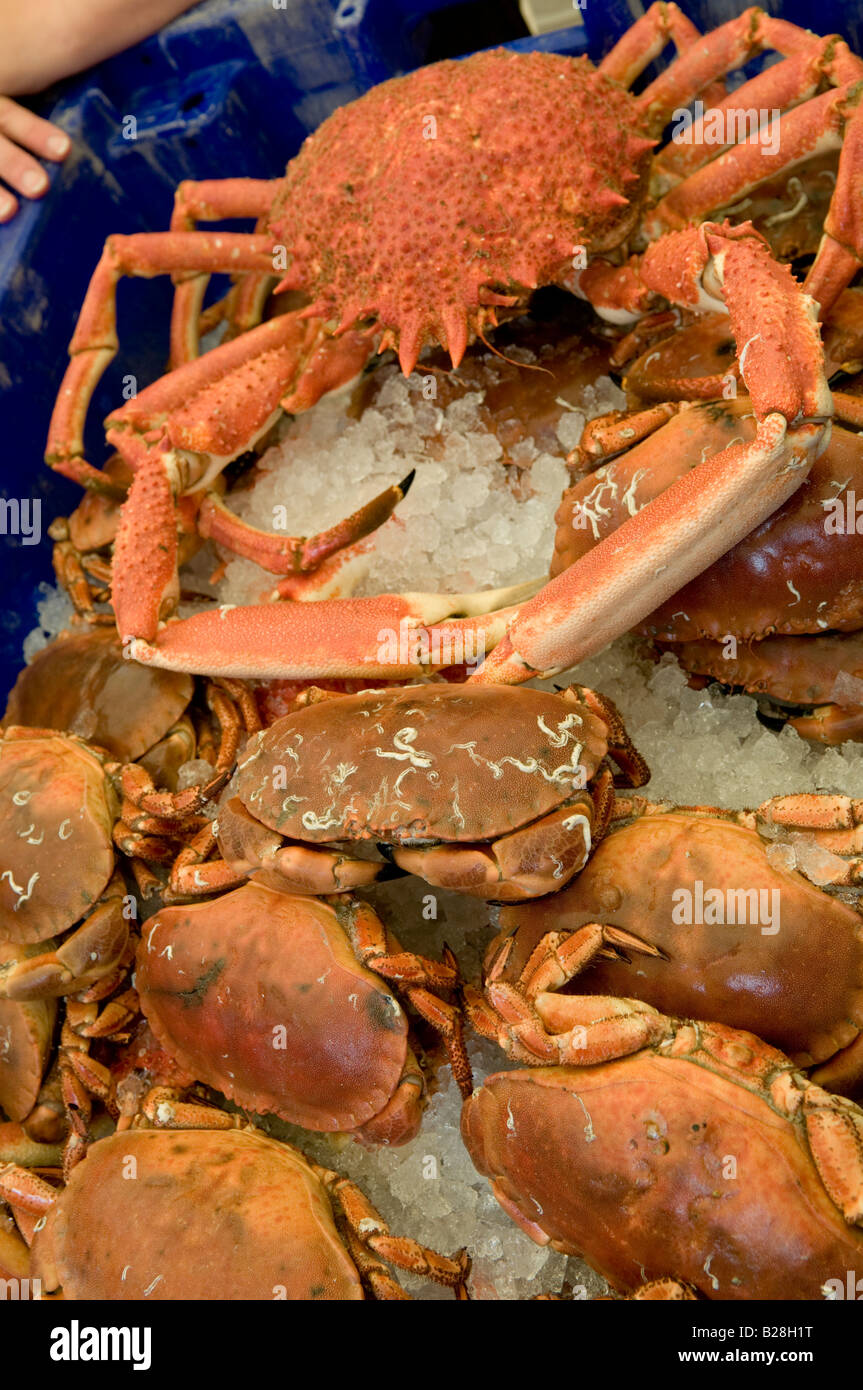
[[708, 510], [818, 126], [840, 254], [782, 87], [645, 40], [94, 342], [724, 50], [209, 200], [390, 637]]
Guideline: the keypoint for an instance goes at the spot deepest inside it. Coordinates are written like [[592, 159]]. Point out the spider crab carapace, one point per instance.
[[544, 164]]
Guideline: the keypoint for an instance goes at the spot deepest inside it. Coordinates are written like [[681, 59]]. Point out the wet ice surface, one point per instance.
[[460, 527]]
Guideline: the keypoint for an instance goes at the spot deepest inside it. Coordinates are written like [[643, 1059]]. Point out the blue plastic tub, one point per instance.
[[231, 88]]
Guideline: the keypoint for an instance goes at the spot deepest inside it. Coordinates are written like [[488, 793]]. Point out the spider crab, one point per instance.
[[419, 214], [258, 1222], [746, 918], [677, 1149]]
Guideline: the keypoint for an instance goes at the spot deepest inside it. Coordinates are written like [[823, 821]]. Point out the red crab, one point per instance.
[[278, 1002], [770, 950], [678, 1149], [257, 1222], [415, 215]]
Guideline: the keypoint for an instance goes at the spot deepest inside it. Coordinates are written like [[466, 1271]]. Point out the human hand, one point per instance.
[[23, 135]]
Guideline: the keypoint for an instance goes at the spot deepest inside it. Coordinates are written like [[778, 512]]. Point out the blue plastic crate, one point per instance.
[[231, 88]]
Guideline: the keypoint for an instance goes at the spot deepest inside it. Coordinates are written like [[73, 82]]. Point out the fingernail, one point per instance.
[[34, 182], [6, 206], [58, 146]]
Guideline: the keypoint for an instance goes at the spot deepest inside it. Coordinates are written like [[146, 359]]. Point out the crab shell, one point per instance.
[[629, 1163], [259, 994], [193, 1215], [800, 985], [368, 207], [26, 1034], [82, 683], [420, 766], [57, 811]]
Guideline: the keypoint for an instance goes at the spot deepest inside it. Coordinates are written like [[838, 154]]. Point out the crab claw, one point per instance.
[[390, 637], [703, 514]]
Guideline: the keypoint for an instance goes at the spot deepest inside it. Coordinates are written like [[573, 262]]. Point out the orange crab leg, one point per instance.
[[662, 24], [789, 83], [802, 132], [390, 637], [724, 50], [209, 200], [198, 418], [94, 342], [840, 254], [292, 554], [701, 515]]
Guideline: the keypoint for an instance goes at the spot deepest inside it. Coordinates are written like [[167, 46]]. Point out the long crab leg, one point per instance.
[[209, 200], [840, 254], [720, 501], [94, 343], [798, 135], [645, 40], [292, 554], [389, 637], [789, 83], [724, 50], [179, 433]]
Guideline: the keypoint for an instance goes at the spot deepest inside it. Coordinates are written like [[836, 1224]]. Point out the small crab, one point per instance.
[[701, 913], [499, 793], [58, 808], [277, 1002], [679, 1149], [258, 1221]]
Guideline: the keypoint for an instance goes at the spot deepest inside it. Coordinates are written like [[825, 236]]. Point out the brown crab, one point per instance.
[[277, 1002], [700, 913], [57, 813], [498, 793], [684, 1150], [257, 1222], [26, 1036]]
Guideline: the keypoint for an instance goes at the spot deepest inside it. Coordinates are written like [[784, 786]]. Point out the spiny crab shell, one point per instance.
[[209, 1215], [496, 773], [463, 186]]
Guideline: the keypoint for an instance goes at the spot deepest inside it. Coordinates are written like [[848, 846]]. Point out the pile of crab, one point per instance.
[[202, 805]]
